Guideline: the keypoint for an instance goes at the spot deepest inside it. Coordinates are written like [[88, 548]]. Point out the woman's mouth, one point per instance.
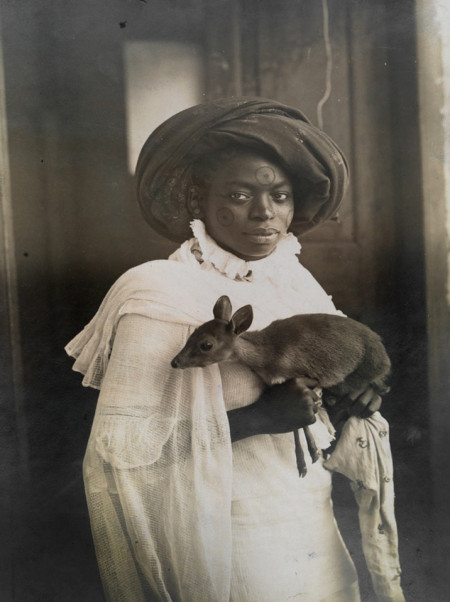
[[262, 235]]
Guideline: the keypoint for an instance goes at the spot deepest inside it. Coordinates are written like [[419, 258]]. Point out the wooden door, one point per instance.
[[350, 66], [309, 54]]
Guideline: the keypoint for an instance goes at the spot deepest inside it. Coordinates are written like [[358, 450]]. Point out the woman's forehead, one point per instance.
[[250, 168]]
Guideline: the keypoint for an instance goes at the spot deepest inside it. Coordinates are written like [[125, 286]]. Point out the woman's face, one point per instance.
[[248, 206]]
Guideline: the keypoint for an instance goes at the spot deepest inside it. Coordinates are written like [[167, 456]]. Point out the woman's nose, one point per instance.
[[262, 207]]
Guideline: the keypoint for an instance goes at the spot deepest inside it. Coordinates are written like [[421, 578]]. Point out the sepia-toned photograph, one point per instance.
[[225, 300]]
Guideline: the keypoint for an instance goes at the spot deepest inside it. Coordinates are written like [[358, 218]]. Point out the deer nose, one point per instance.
[[174, 363]]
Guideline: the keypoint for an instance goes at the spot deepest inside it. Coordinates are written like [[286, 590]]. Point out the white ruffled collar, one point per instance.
[[208, 252]]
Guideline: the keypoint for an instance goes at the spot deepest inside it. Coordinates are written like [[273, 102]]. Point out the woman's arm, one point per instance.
[[283, 408], [280, 409]]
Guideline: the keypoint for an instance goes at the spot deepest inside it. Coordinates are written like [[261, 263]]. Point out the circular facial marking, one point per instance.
[[225, 217], [249, 206], [265, 175]]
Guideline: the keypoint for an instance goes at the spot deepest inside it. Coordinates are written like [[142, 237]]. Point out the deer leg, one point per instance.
[[312, 447], [299, 455]]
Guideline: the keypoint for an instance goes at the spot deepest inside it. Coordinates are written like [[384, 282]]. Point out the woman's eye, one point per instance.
[[239, 196], [205, 346], [280, 196]]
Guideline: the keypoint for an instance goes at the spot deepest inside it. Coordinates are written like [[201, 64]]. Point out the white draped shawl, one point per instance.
[[158, 468]]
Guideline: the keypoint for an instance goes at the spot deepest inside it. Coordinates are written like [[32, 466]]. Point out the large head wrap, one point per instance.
[[316, 165]]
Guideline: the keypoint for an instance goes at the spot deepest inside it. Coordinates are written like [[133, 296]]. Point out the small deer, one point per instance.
[[339, 353]]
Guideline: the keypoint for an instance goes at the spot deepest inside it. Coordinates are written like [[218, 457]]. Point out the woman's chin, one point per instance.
[[250, 250], [258, 250], [255, 255]]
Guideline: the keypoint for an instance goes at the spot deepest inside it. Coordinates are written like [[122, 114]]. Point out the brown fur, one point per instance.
[[341, 354], [338, 352]]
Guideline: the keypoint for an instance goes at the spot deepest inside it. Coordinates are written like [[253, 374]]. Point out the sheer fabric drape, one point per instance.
[[158, 433], [177, 512]]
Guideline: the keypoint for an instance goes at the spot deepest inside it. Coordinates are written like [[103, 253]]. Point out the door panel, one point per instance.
[[283, 51]]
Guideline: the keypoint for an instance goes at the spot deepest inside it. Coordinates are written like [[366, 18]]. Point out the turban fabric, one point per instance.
[[315, 164]]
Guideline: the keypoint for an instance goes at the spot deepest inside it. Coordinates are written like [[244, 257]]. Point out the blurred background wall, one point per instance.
[[84, 85]]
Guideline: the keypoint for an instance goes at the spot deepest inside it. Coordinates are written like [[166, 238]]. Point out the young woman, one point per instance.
[[191, 479]]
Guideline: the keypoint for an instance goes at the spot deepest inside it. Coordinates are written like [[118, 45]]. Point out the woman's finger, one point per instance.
[[366, 404], [305, 381], [374, 406]]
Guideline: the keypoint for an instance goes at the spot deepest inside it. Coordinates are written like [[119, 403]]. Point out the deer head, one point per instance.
[[213, 341]]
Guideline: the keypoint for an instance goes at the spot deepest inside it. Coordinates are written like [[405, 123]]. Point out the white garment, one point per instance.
[[363, 455], [177, 512]]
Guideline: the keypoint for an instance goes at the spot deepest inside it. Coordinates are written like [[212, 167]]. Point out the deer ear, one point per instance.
[[222, 309], [242, 319]]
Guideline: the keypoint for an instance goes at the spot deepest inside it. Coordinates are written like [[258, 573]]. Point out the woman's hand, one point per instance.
[[362, 404], [280, 409], [365, 404]]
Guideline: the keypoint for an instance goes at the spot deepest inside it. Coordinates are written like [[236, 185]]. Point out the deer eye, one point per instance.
[[206, 346]]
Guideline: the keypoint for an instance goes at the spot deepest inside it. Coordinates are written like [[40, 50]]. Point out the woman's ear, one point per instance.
[[194, 202]]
